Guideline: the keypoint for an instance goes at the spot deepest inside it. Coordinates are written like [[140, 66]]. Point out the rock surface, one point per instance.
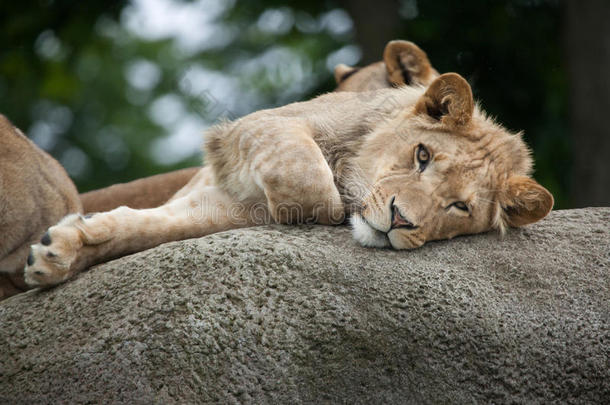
[[303, 315]]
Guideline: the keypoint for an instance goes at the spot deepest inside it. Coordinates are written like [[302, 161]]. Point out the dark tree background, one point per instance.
[[118, 90], [587, 43]]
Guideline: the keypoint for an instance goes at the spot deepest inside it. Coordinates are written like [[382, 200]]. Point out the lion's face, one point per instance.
[[449, 171], [432, 188]]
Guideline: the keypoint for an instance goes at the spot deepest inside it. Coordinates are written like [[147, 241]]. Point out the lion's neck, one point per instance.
[[341, 140], [340, 152]]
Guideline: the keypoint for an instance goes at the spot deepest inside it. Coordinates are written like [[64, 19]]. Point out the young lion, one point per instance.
[[409, 165], [403, 63]]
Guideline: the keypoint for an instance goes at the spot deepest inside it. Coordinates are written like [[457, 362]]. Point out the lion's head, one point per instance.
[[404, 63], [443, 169]]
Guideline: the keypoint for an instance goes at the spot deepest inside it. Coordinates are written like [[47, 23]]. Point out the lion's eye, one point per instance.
[[423, 157], [460, 206]]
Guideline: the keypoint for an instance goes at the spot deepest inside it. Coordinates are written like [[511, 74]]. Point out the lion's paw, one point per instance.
[[50, 261]]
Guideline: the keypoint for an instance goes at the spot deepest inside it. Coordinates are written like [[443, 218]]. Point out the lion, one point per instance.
[[406, 165], [404, 63]]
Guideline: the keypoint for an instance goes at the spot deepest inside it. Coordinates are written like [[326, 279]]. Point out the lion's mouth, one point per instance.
[[366, 234]]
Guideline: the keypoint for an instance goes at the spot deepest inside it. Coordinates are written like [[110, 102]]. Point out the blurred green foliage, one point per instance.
[[119, 91]]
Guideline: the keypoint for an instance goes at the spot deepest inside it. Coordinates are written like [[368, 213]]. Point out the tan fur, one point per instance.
[[35, 192], [316, 161]]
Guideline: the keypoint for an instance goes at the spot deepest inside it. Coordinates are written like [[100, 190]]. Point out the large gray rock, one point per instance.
[[302, 314]]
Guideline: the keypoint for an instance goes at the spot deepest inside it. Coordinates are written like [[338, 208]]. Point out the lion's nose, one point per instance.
[[399, 221]]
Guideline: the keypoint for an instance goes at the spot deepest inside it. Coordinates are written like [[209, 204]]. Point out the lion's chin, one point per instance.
[[367, 235]]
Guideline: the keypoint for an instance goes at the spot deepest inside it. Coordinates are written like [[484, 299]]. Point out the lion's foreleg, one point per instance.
[[78, 242]]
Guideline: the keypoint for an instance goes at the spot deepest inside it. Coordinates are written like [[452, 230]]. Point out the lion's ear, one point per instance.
[[342, 71], [448, 100], [525, 201], [407, 64]]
